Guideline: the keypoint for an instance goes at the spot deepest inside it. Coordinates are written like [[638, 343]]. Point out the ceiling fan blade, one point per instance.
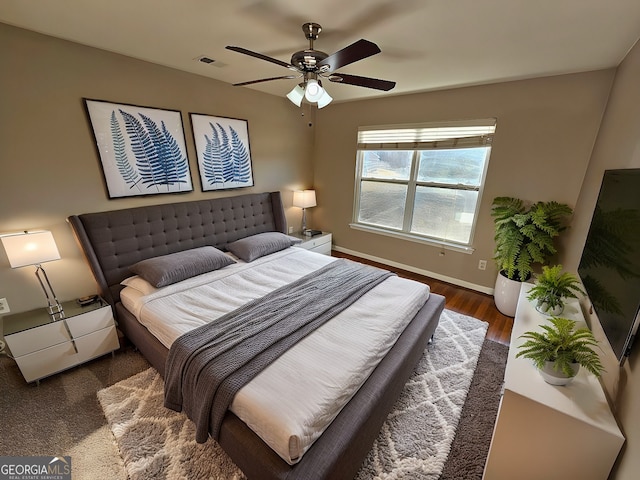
[[250, 82], [375, 83], [349, 54], [260, 56]]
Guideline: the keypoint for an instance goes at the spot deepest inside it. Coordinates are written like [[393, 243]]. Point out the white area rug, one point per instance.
[[414, 443]]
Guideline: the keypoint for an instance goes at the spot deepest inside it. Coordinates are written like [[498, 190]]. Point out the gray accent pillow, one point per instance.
[[256, 246], [167, 269]]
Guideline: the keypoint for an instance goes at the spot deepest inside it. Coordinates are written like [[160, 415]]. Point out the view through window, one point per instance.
[[422, 181]]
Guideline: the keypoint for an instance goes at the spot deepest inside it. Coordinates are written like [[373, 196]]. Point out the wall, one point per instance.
[[617, 146], [50, 165], [545, 133]]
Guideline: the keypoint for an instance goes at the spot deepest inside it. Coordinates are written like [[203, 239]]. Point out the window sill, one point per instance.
[[413, 238]]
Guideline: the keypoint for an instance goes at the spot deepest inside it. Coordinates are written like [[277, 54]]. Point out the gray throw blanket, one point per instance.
[[207, 366]]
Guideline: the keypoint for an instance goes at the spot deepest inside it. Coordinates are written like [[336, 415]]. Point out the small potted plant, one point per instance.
[[551, 287], [560, 349]]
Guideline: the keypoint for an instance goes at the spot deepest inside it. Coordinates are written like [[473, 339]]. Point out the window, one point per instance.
[[422, 182]]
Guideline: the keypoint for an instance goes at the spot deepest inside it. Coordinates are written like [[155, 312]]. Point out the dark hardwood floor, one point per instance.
[[458, 299]]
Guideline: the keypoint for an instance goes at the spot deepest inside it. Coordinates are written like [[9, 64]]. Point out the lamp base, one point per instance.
[[304, 221], [55, 311]]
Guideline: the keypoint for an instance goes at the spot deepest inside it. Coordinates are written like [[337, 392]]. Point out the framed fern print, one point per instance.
[[222, 146], [142, 149]]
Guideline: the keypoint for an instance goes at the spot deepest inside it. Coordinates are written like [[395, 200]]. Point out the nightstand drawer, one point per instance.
[[317, 242], [324, 248], [90, 322], [28, 341], [48, 361]]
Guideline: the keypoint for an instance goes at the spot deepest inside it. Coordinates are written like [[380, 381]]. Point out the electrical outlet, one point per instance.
[[4, 306], [482, 265], [290, 229]]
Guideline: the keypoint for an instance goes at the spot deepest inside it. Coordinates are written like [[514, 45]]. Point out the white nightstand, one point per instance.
[[42, 347], [319, 243]]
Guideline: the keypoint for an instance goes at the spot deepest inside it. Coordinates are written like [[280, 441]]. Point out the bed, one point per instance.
[[114, 241]]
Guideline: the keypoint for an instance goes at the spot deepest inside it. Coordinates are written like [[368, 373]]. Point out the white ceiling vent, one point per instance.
[[210, 61]]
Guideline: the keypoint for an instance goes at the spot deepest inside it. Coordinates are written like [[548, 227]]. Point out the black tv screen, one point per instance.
[[610, 263]]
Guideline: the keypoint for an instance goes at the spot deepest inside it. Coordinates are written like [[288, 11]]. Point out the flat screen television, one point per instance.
[[610, 263]]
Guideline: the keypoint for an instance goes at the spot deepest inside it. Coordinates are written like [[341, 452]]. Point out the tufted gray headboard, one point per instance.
[[114, 240]]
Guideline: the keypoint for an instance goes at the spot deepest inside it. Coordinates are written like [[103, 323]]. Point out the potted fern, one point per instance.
[[524, 236], [560, 349], [551, 287]]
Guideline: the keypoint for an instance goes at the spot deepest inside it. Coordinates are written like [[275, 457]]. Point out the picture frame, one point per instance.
[[223, 151], [142, 150]]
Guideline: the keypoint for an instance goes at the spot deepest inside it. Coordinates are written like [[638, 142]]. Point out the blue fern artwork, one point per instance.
[[142, 149], [224, 158]]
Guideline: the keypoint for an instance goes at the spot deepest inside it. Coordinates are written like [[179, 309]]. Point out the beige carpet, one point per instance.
[[62, 416], [414, 443]]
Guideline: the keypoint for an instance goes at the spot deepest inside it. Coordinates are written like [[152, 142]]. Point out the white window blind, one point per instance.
[[422, 137]]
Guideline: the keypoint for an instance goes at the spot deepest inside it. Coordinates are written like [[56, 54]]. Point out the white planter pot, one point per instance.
[[505, 294], [543, 308], [557, 377]]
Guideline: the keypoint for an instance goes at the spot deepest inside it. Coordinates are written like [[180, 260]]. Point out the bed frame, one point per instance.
[[114, 240]]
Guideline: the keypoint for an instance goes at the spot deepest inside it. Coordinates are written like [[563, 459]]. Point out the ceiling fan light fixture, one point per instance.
[[296, 95], [311, 64], [325, 99], [313, 91]]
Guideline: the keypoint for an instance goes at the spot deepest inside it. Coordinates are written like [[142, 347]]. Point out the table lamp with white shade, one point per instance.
[[304, 199], [35, 248]]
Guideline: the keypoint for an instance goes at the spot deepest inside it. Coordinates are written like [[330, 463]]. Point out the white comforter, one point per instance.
[[292, 401]]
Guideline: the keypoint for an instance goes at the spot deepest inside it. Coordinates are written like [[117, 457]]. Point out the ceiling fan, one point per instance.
[[313, 65]]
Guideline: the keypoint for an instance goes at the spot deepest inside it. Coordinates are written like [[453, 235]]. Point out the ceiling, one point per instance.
[[426, 44]]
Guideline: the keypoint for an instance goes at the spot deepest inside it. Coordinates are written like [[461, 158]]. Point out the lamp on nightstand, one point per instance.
[[304, 199], [35, 248]]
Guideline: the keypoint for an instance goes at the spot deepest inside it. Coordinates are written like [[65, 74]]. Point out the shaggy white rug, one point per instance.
[[414, 442]]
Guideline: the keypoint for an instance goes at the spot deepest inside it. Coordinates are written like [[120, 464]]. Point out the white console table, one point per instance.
[[550, 432]]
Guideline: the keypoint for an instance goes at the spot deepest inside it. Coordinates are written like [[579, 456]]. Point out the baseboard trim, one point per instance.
[[419, 271]]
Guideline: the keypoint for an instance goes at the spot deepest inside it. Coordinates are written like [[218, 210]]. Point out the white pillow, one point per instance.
[[140, 284]]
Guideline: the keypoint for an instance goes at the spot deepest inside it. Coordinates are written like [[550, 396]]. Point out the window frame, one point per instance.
[[421, 132]]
